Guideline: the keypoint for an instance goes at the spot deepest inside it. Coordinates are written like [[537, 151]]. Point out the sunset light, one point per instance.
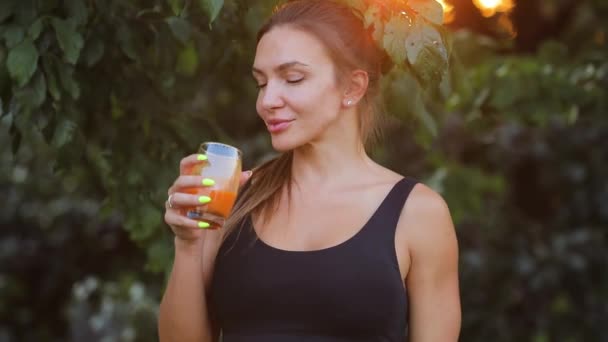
[[448, 11], [490, 7]]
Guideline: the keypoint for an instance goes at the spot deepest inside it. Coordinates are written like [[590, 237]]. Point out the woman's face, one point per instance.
[[299, 97]]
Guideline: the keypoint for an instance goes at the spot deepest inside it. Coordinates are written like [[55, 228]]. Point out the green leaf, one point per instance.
[[77, 11], [22, 62], [93, 51], [421, 36], [431, 10], [482, 97], [426, 52], [430, 67], [66, 78], [154, 13], [39, 89], [181, 28], [372, 17], [134, 177], [159, 256], [187, 60], [33, 94], [428, 121], [148, 221], [69, 39], [6, 120], [64, 133], [100, 161], [51, 80], [395, 33], [212, 8], [573, 115], [35, 29], [176, 6], [13, 35]]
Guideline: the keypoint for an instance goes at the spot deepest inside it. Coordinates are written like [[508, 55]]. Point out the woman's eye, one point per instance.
[[260, 86], [295, 80]]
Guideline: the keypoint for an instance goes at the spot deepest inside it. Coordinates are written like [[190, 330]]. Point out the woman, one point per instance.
[[324, 244]]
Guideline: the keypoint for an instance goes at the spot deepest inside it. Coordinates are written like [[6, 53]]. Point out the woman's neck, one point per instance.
[[329, 163], [334, 159]]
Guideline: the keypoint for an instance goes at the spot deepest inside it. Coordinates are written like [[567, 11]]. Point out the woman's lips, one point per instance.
[[277, 126]]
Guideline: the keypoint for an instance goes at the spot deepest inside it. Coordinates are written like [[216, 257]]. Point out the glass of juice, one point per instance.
[[224, 166]]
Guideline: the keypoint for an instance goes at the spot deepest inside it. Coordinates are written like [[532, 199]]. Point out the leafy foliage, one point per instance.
[[21, 62], [100, 99], [411, 33]]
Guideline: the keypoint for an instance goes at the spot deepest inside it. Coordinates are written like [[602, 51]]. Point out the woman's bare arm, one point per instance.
[[184, 314], [183, 311], [432, 280]]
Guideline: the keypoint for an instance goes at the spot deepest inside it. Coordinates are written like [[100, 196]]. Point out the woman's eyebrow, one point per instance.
[[281, 67]]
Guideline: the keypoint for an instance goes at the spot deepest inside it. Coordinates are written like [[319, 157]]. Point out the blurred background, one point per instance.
[[100, 99]]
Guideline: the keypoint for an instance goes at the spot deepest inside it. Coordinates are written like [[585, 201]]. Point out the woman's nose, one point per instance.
[[272, 96]]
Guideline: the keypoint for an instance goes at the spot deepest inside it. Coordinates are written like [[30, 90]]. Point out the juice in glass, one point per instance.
[[224, 166]]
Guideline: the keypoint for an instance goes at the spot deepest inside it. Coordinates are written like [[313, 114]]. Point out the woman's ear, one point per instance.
[[356, 87]]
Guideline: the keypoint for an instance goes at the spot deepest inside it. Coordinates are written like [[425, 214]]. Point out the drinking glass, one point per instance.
[[224, 166]]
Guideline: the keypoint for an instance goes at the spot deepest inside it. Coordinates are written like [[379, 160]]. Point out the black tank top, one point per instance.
[[349, 292]]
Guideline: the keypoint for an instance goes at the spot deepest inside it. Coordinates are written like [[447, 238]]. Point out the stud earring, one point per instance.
[[349, 102]]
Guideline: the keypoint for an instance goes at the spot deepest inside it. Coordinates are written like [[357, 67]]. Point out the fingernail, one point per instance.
[[204, 199], [249, 173], [208, 182], [203, 225], [201, 157]]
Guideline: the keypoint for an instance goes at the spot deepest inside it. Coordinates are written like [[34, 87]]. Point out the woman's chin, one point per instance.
[[283, 144]]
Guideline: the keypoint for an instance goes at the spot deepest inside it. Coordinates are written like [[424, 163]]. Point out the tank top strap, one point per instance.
[[387, 215]]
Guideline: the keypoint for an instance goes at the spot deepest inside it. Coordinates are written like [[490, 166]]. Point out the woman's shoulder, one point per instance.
[[422, 199], [426, 218], [424, 202], [425, 215]]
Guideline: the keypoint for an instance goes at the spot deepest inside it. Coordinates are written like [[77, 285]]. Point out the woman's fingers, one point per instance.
[[190, 191], [184, 227], [183, 200], [245, 175], [191, 183], [174, 219], [187, 163]]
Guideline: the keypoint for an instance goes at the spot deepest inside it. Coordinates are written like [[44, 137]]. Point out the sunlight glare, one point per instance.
[[448, 11], [490, 7]]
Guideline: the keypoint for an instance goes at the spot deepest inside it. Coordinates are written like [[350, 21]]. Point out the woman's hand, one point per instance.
[[181, 198]]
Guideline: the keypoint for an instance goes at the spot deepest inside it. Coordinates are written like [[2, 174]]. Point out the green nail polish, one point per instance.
[[204, 199], [208, 182], [203, 225], [201, 157]]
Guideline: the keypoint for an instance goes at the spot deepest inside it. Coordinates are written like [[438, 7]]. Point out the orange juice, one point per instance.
[[221, 202], [224, 167]]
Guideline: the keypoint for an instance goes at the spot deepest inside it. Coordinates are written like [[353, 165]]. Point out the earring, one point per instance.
[[349, 102]]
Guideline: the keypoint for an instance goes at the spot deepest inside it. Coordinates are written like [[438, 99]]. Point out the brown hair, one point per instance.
[[351, 47]]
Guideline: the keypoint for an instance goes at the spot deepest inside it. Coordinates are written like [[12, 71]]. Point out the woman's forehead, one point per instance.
[[288, 47]]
